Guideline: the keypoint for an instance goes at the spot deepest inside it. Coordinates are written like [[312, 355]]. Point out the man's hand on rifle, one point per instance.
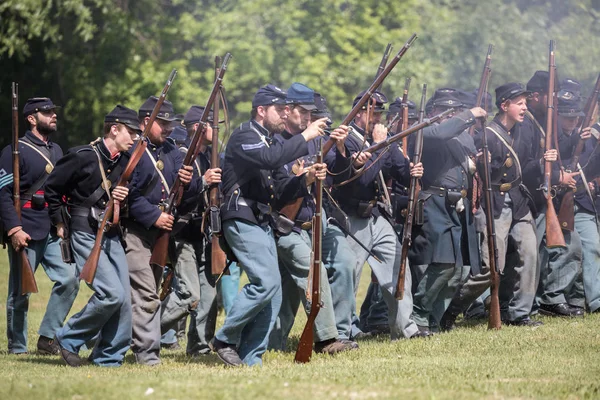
[[478, 112], [568, 179], [416, 171], [316, 171], [586, 133], [185, 174], [315, 129], [360, 159], [380, 133], [120, 193], [18, 238], [164, 222], [551, 155], [212, 176], [340, 134]]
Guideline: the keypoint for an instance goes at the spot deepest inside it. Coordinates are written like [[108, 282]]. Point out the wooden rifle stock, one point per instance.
[[218, 259], [28, 284], [376, 83], [158, 260], [313, 290], [554, 236], [485, 77], [404, 123], [413, 195], [88, 271], [566, 212], [494, 321]]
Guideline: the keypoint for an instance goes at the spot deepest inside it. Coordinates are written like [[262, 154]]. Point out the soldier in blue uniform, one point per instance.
[[368, 212], [38, 155], [373, 311], [254, 183], [86, 177], [332, 325], [150, 185], [193, 294], [444, 238], [564, 292], [587, 204], [550, 292], [512, 215]]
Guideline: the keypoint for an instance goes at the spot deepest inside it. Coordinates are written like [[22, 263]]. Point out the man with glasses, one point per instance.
[[33, 232]]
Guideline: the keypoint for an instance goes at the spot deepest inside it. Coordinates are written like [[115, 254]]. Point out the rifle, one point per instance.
[[415, 128], [554, 236], [28, 284], [404, 123], [158, 260], [218, 258], [494, 321], [566, 213], [413, 195], [376, 83], [384, 59], [394, 138], [485, 78], [313, 289], [291, 209], [91, 264]]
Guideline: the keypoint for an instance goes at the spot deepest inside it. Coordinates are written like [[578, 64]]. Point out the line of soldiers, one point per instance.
[[269, 163]]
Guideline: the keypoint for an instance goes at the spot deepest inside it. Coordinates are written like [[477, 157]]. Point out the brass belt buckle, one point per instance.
[[307, 226], [505, 187], [463, 193]]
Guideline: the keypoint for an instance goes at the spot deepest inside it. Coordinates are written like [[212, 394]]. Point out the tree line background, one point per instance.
[[89, 55]]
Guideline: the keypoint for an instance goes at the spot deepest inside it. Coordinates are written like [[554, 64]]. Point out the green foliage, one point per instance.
[[89, 55]]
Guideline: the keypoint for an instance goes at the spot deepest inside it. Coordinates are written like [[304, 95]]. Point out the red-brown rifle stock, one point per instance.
[[28, 284], [413, 195], [91, 264], [566, 213], [313, 291], [158, 260], [554, 236], [494, 321], [218, 259]]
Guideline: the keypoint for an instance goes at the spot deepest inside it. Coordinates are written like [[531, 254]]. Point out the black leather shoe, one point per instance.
[[47, 346], [559, 310], [72, 359], [524, 322], [448, 322], [226, 352], [577, 311], [170, 346]]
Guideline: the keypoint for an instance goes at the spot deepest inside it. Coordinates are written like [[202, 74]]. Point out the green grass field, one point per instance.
[[558, 360]]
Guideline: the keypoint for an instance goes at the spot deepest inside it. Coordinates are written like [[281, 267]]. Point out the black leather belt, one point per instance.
[[444, 191]]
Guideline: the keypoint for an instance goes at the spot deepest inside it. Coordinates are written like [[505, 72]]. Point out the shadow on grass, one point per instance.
[[36, 359], [210, 360]]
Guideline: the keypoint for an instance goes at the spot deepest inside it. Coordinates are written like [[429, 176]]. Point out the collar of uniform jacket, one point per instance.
[[37, 141], [105, 153]]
